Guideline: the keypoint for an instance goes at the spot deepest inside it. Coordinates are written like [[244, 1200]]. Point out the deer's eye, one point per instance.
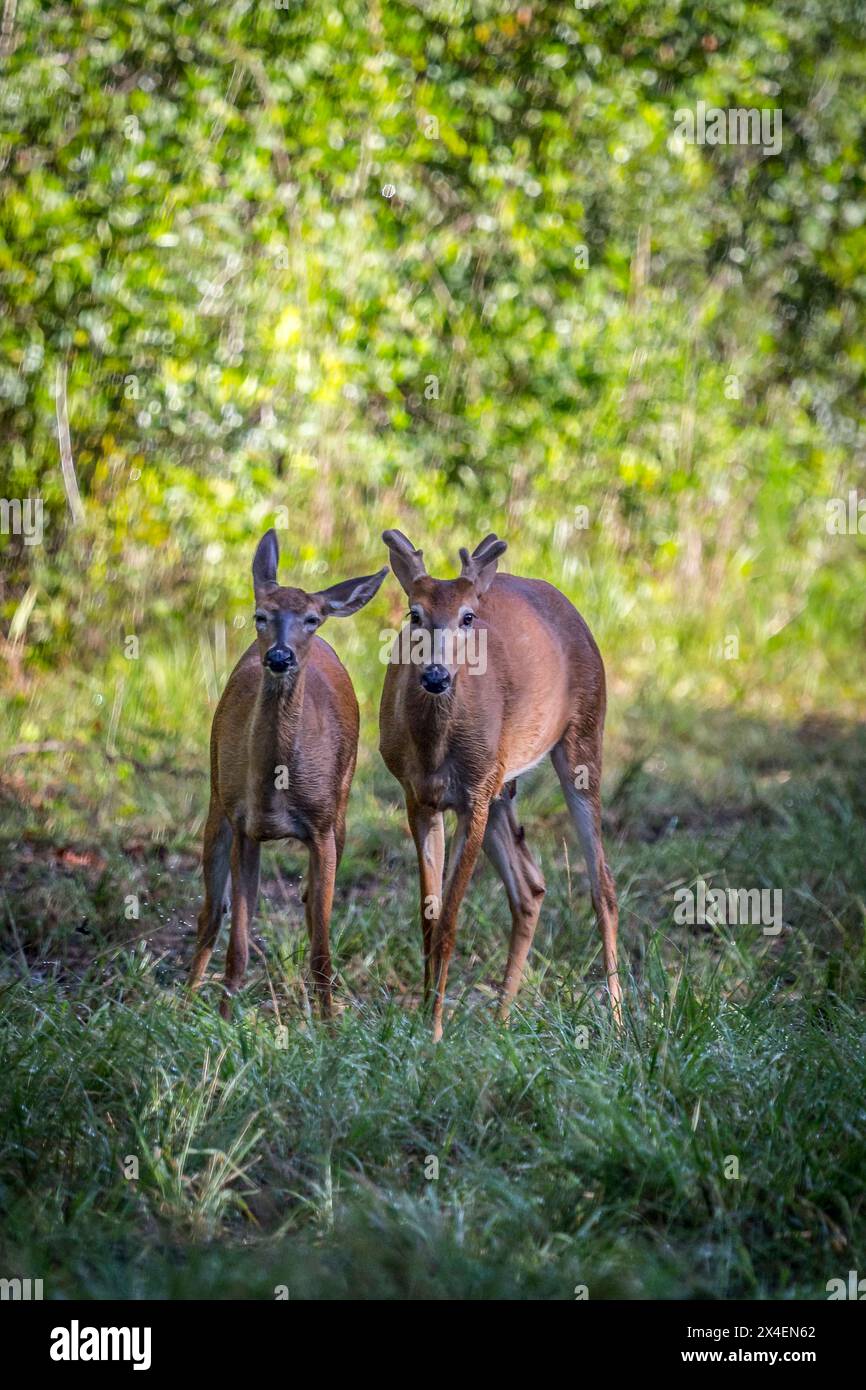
[[311, 621], [261, 620], [467, 620], [415, 615]]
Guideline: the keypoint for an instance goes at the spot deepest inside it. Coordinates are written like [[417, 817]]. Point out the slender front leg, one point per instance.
[[468, 839], [246, 854], [428, 832], [320, 900]]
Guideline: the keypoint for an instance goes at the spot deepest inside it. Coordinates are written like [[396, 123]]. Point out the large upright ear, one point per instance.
[[345, 598], [406, 562], [480, 566], [265, 562]]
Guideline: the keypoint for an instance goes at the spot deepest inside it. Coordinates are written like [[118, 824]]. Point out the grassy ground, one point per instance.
[[271, 1152]]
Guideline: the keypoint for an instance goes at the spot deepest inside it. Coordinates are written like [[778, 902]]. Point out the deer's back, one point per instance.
[[542, 653]]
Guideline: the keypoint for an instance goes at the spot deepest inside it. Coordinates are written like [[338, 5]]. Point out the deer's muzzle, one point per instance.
[[280, 660], [435, 679]]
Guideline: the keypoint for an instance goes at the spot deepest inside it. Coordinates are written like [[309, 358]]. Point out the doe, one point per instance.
[[283, 748], [457, 735]]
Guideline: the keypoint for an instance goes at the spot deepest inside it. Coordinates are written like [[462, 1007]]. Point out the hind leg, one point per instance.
[[340, 818], [245, 859], [216, 856], [506, 848], [578, 765], [317, 895]]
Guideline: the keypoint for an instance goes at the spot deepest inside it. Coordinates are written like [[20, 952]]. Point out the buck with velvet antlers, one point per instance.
[[458, 735], [283, 748]]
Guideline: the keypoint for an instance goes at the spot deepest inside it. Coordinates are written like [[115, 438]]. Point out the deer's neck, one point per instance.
[[432, 720], [273, 737]]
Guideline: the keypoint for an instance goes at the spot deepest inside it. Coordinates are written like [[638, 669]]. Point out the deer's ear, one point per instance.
[[347, 597], [265, 562], [480, 566], [406, 562]]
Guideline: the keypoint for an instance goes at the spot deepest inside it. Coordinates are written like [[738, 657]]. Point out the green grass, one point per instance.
[[273, 1152], [559, 1165]]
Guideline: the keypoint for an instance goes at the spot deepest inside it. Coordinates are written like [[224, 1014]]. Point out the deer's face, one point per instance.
[[287, 619], [442, 614], [286, 622]]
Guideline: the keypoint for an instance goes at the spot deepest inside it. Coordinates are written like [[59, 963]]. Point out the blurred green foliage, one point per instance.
[[554, 304]]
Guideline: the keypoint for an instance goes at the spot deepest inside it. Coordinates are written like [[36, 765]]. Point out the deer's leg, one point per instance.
[[340, 819], [339, 837], [506, 848], [464, 853], [428, 832], [215, 866], [319, 902], [578, 766], [246, 854]]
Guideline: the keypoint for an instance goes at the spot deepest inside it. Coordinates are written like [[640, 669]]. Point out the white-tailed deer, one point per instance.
[[457, 734], [282, 754]]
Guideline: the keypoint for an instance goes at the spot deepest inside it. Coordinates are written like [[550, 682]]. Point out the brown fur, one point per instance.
[[283, 752], [543, 692]]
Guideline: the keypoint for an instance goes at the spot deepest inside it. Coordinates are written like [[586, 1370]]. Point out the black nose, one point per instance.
[[280, 659], [435, 679]]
